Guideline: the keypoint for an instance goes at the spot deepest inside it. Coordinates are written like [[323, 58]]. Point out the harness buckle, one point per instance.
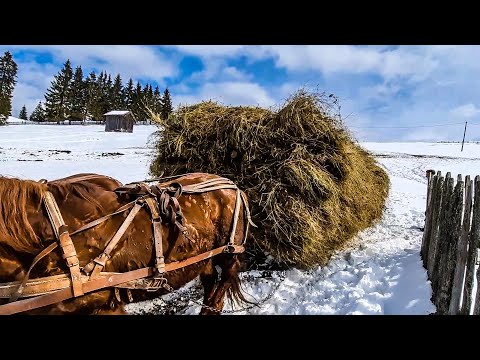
[[101, 259], [157, 283], [72, 264]]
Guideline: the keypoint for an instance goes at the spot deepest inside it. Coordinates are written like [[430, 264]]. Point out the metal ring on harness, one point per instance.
[[179, 189]]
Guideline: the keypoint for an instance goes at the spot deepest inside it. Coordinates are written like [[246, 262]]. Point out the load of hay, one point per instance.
[[311, 187]]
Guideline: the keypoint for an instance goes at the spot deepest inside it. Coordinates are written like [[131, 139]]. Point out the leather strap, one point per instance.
[[236, 214], [103, 218], [65, 294], [101, 282], [98, 263], [157, 235], [188, 190], [37, 258], [210, 183], [68, 249], [40, 286], [54, 245]]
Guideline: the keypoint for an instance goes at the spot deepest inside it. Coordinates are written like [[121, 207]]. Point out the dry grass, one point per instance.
[[311, 186]]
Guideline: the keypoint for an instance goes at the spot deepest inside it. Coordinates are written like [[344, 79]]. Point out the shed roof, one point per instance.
[[117, 112]]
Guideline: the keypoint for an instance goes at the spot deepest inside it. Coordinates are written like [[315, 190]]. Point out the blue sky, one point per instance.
[[386, 93]]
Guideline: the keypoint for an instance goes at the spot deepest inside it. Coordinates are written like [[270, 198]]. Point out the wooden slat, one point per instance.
[[476, 239], [461, 256], [452, 223], [436, 204], [439, 232], [427, 229], [472, 252]]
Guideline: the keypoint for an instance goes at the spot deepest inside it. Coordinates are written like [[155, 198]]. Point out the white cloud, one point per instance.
[[217, 69], [134, 61], [32, 82], [329, 59], [229, 93], [234, 73], [211, 50], [411, 85], [465, 111], [28, 95], [379, 91], [388, 62]]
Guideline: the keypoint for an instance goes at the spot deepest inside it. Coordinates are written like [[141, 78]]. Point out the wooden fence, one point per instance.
[[450, 242]]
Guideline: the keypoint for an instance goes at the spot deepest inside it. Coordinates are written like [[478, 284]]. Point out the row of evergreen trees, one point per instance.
[[8, 79], [73, 97]]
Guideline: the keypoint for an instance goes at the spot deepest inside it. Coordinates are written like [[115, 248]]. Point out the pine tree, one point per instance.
[[38, 114], [23, 113], [108, 93], [8, 80], [103, 98], [138, 103], [117, 102], [57, 106], [90, 86], [105, 101], [98, 98], [128, 95], [77, 96], [166, 104], [157, 101], [145, 104], [150, 100]]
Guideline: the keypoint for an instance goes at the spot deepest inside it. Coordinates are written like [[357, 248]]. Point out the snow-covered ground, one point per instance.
[[53, 151], [382, 274], [16, 121]]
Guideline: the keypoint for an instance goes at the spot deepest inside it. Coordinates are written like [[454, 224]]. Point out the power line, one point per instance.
[[407, 127]]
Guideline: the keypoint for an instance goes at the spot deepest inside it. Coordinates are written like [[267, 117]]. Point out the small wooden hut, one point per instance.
[[119, 120]]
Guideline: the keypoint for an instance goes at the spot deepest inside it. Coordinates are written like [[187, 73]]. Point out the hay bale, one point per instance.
[[311, 187]]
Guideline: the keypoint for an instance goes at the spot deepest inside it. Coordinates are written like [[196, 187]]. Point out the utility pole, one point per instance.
[[464, 131]]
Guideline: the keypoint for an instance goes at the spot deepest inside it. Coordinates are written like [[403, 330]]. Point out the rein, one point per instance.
[[49, 290]]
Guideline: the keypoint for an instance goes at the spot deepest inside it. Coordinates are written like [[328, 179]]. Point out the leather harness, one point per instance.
[[163, 206]]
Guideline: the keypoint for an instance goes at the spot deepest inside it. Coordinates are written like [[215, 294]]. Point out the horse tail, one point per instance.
[[235, 293]]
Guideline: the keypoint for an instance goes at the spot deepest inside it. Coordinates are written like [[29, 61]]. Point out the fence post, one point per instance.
[[461, 256], [472, 253]]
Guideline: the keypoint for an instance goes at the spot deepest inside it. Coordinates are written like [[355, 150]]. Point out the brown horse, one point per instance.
[[25, 230]]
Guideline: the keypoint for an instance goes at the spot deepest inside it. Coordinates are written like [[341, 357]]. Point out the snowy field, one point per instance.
[[381, 274]]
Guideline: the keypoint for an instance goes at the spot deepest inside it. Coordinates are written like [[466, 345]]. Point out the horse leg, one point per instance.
[[209, 281], [229, 283]]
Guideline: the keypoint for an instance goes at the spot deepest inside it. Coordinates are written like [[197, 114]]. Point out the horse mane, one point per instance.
[[15, 197]]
